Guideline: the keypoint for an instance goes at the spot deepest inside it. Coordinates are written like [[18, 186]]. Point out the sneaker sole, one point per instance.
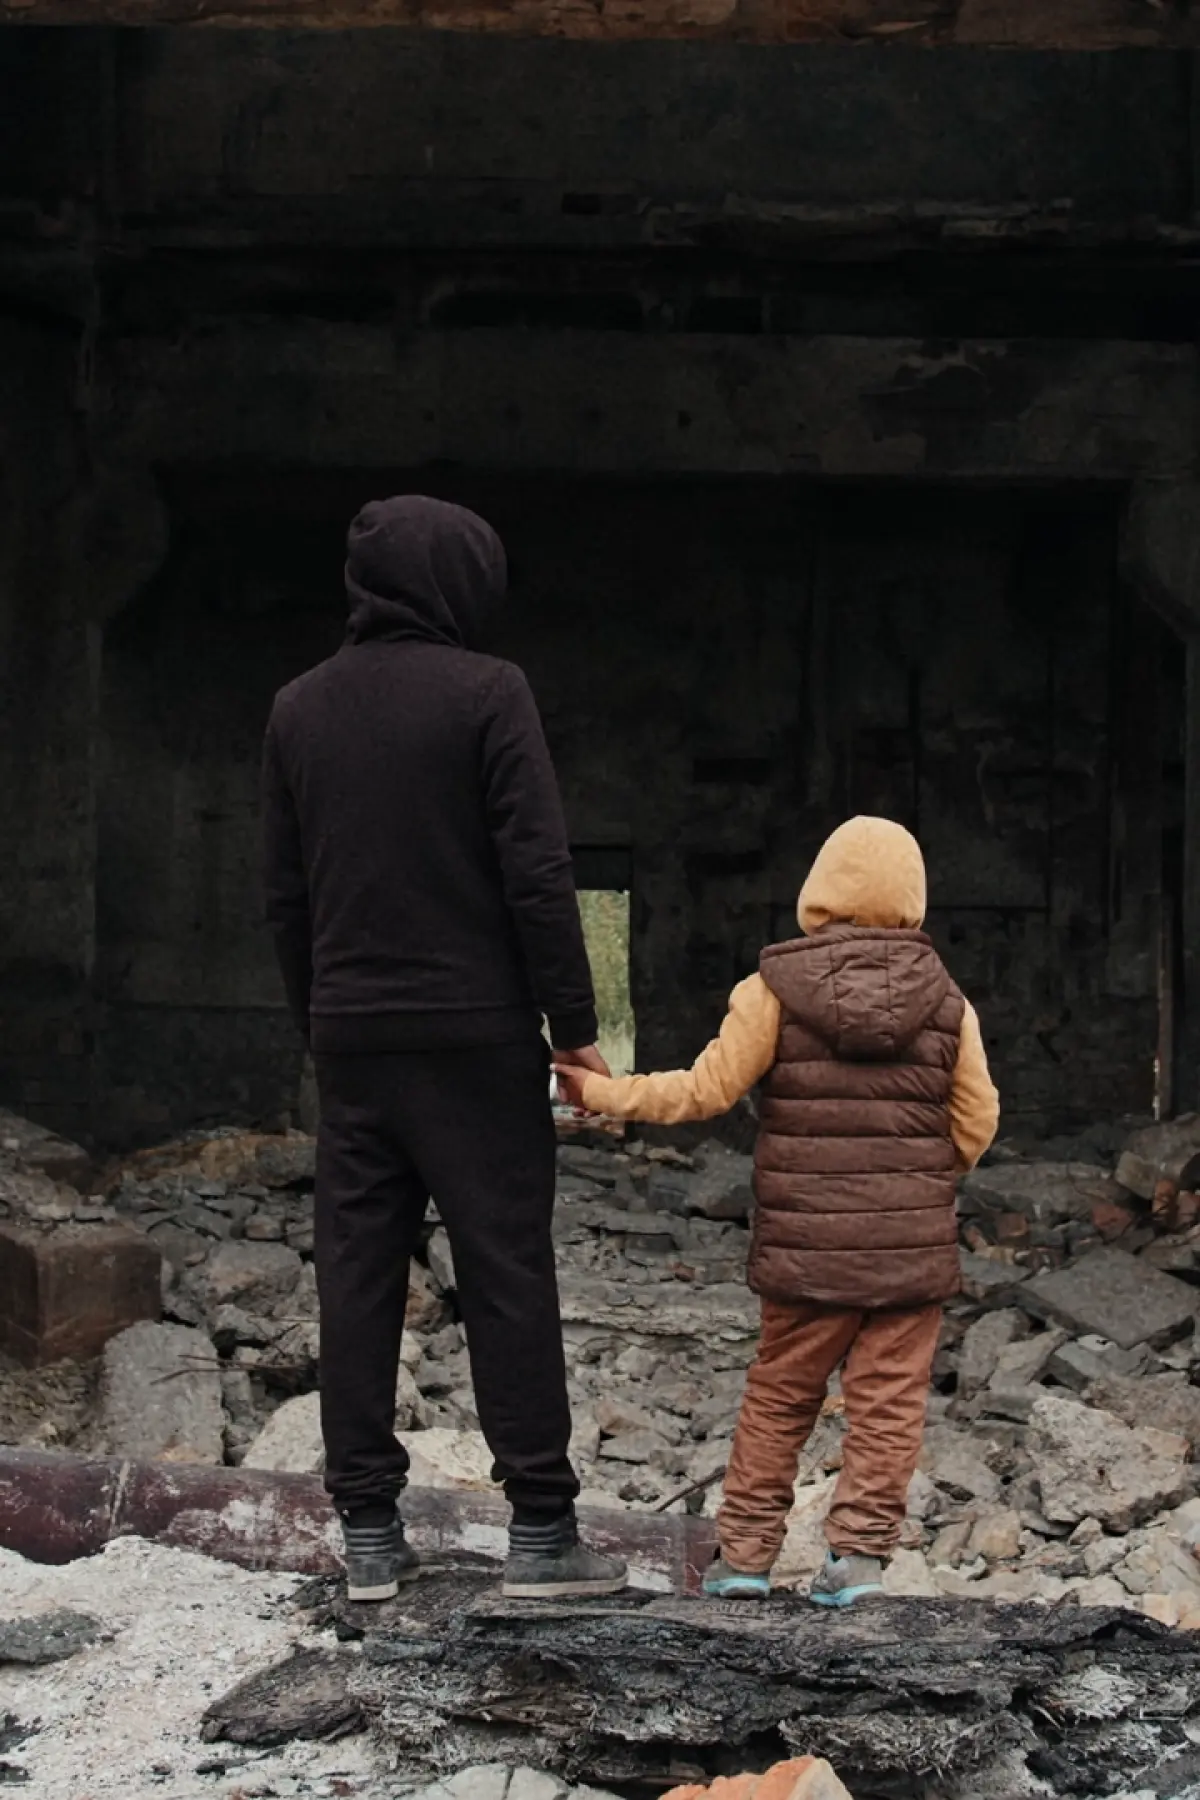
[[847, 1597], [737, 1590], [561, 1590], [386, 1590]]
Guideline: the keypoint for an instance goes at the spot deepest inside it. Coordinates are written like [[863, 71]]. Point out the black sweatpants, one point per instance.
[[473, 1129]]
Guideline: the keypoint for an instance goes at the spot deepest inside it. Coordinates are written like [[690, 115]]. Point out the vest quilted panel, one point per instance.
[[855, 1163]]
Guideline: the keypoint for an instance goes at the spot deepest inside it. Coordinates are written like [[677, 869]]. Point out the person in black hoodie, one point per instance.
[[420, 892]]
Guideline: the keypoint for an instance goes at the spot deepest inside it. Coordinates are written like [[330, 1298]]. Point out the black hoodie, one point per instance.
[[418, 878]]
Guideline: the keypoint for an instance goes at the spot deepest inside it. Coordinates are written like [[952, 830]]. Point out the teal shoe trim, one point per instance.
[[846, 1596]]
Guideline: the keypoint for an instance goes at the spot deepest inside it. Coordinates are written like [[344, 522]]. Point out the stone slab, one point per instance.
[[160, 1396], [1115, 1295], [47, 1637], [67, 1291]]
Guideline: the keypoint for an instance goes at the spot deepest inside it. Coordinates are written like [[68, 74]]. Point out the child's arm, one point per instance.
[[729, 1068], [974, 1102]]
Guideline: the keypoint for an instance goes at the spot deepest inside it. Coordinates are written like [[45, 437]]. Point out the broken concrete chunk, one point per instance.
[[47, 1637], [989, 1280], [1169, 1151], [291, 1439], [1046, 1193], [1021, 1364], [1166, 1402], [981, 1346], [441, 1261], [995, 1535], [1115, 1295], [951, 1462], [440, 1458], [67, 1292], [32, 1146], [253, 1276], [160, 1396], [1089, 1465]]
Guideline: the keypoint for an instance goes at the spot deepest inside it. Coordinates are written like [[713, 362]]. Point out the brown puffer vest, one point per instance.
[[854, 1169]]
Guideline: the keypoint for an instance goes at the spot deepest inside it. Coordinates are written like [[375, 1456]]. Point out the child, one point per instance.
[[876, 1096]]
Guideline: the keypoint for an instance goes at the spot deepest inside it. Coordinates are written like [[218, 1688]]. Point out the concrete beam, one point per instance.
[[1025, 24], [643, 405]]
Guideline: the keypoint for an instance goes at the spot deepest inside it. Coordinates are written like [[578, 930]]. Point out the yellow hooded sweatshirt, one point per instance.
[[869, 872]]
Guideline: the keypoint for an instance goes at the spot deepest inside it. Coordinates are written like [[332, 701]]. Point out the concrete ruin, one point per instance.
[[839, 409]]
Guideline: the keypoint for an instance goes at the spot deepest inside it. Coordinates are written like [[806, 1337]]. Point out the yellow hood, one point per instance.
[[869, 872]]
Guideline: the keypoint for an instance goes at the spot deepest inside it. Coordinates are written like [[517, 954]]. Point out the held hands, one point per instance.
[[572, 1067]]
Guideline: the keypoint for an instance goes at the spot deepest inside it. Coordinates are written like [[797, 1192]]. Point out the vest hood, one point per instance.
[[869, 872], [866, 993]]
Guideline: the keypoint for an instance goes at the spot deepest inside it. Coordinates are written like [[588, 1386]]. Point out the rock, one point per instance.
[[67, 1292], [535, 1784], [253, 1276], [47, 1637], [950, 1545], [450, 1459], [160, 1396], [1102, 1556], [33, 1147], [989, 1280], [804, 1546], [264, 1228], [183, 1249], [1020, 1364], [723, 1185], [412, 1409], [291, 1439], [1166, 1402], [585, 1435], [1046, 1193], [996, 1535], [615, 1414], [240, 1159], [410, 1351], [1169, 1151], [1114, 1295], [1105, 1590], [1089, 1465], [981, 1346], [635, 1446], [441, 1262], [1076, 1364], [951, 1462], [231, 1326], [1159, 1564], [907, 1575], [426, 1310]]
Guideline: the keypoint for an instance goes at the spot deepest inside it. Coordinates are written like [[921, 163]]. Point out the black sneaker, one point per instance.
[[378, 1558], [547, 1562]]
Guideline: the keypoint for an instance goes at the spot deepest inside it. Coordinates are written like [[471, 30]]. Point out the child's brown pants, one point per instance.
[[885, 1383]]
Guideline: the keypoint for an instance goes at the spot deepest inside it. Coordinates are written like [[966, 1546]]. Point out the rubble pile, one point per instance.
[[1062, 1453]]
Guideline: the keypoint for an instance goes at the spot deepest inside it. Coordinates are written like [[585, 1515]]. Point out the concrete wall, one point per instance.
[[810, 393], [726, 670]]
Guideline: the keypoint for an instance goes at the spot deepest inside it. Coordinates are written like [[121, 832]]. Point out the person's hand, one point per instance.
[[570, 1085], [588, 1058], [573, 1068]]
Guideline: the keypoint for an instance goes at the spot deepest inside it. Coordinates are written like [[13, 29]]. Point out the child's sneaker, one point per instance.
[[843, 1580], [723, 1582]]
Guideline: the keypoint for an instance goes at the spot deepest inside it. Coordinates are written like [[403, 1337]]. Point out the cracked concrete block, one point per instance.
[[160, 1396], [1115, 1295], [1089, 1465], [67, 1292]]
